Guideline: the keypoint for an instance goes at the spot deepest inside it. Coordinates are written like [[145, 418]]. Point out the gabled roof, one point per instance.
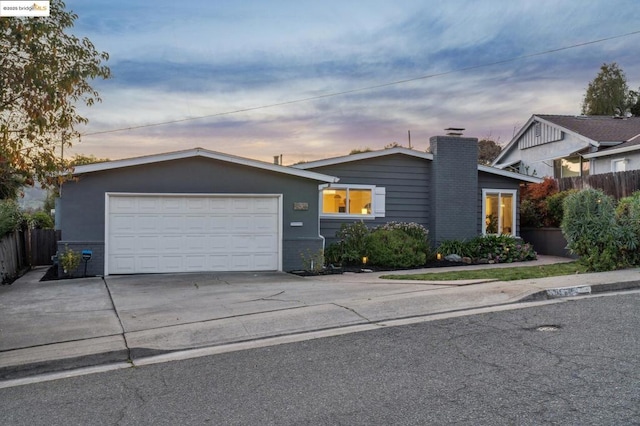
[[598, 128], [200, 152], [410, 152], [363, 156], [599, 131]]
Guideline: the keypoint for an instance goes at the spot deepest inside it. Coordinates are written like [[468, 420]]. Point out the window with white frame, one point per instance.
[[363, 201], [499, 207]]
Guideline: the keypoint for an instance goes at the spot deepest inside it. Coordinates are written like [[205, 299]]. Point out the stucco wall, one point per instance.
[[602, 165], [82, 202]]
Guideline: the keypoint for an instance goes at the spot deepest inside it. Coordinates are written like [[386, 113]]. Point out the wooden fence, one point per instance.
[[13, 256], [618, 184], [23, 249]]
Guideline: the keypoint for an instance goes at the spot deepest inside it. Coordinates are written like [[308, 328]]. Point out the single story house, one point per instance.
[[565, 146], [199, 210], [446, 190]]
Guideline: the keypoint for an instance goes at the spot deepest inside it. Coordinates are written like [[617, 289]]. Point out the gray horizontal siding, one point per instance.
[[406, 180]]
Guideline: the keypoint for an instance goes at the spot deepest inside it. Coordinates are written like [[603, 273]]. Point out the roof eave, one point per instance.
[[200, 152], [512, 175], [363, 156]]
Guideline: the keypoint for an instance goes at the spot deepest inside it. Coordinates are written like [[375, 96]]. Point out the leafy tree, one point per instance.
[[360, 150], [608, 93], [44, 72], [82, 160], [488, 150]]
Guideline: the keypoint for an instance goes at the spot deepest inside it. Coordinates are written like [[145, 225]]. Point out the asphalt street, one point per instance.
[[573, 362]]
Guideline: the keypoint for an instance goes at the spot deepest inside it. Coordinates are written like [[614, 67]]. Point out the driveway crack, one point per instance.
[[115, 310], [352, 310]]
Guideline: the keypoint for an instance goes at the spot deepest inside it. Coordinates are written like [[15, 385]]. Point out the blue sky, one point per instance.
[[174, 60]]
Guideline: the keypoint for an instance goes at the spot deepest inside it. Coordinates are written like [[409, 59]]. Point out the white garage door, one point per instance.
[[188, 233]]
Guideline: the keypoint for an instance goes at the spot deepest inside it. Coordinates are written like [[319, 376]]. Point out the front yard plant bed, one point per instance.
[[499, 274], [368, 268], [52, 275]]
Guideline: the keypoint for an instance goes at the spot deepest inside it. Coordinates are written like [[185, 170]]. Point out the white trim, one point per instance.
[[514, 193], [622, 160], [185, 195], [375, 208], [613, 151], [200, 152], [506, 173], [540, 119]]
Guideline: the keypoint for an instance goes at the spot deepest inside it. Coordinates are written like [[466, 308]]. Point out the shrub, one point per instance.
[[40, 220], [70, 260], [392, 245], [592, 232], [312, 261], [529, 214], [352, 241], [461, 248], [502, 248], [11, 218], [554, 207], [628, 217], [495, 248], [394, 248], [415, 231]]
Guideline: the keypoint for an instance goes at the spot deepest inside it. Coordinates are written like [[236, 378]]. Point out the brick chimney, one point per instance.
[[454, 190]]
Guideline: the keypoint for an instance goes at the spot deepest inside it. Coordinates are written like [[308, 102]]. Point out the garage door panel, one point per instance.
[[147, 243], [155, 233], [123, 222], [262, 223], [122, 244], [172, 223]]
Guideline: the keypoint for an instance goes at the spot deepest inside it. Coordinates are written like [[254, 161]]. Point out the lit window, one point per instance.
[[352, 200], [499, 211]]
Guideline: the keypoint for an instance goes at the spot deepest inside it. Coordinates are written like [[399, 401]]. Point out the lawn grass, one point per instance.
[[500, 274]]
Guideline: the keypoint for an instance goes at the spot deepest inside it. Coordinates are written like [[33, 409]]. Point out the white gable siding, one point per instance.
[[538, 134]]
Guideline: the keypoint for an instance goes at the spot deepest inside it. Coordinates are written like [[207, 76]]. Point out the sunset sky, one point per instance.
[[264, 78]]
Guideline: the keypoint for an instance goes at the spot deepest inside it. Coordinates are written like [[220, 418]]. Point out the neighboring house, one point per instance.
[[199, 210], [446, 191], [565, 146]]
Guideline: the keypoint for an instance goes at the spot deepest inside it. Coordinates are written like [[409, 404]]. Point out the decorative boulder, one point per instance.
[[453, 258]]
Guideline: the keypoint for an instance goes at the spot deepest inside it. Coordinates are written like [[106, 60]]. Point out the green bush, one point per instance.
[[392, 245], [592, 232], [461, 248], [415, 231], [494, 248], [353, 240], [530, 216], [40, 220], [554, 204], [11, 218], [628, 217], [394, 248], [502, 248]]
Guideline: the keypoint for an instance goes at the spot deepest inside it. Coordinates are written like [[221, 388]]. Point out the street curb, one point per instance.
[[580, 290]]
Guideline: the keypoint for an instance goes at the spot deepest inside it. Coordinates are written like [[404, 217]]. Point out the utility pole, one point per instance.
[[409, 133]]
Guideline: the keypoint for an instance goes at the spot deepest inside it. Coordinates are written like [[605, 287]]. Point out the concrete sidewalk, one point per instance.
[[68, 324]]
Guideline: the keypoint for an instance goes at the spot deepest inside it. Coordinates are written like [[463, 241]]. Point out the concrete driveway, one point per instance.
[[56, 325]]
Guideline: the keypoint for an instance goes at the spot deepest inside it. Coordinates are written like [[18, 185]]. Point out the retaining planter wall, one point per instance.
[[549, 241]]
